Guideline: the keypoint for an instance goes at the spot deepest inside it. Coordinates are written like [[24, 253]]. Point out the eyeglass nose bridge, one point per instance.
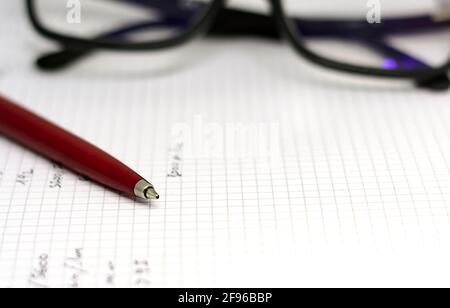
[[244, 23]]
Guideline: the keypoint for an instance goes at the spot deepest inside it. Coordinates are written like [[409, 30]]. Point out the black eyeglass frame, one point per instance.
[[421, 76]]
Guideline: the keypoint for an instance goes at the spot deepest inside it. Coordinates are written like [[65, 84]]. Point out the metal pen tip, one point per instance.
[[145, 190], [151, 193]]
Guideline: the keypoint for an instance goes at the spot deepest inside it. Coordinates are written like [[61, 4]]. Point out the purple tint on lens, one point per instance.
[[389, 64]]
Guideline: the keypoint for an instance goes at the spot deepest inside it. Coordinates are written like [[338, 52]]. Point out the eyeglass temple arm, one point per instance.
[[397, 58], [245, 23]]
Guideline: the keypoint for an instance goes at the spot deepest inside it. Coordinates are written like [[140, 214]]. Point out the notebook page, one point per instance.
[[347, 181]]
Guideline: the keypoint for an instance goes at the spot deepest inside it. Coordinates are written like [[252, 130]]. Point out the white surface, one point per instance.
[[358, 196]]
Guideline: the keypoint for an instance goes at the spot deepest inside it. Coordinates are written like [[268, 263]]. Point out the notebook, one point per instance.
[[271, 172]]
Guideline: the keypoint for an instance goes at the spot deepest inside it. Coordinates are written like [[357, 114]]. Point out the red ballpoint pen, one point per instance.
[[57, 144]]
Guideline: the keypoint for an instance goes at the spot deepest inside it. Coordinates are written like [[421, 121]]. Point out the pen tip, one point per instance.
[[151, 193], [145, 190]]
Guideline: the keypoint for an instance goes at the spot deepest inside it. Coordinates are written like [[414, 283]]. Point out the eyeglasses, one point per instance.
[[402, 39]]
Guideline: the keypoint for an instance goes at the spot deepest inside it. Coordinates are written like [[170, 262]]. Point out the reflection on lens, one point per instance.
[[121, 21], [386, 34]]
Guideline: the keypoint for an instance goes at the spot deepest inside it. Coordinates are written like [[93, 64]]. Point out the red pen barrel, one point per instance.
[[57, 144]]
